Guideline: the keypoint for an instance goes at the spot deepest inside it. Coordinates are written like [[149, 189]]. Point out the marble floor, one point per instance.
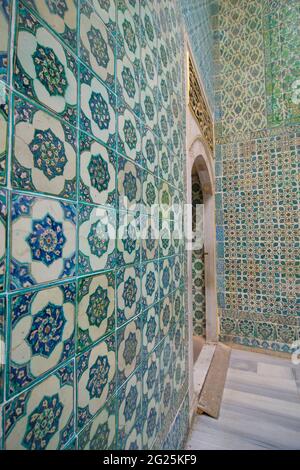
[[260, 407]]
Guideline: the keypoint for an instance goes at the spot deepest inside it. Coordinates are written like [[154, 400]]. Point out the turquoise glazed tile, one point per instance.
[[166, 315], [100, 434], [42, 325], [150, 284], [128, 80], [148, 108], [178, 272], [43, 246], [129, 344], [96, 379], [166, 381], [97, 108], [45, 71], [129, 403], [128, 241], [4, 37], [97, 234], [129, 133], [3, 237], [165, 200], [96, 308], [129, 28], [97, 172], [151, 329], [151, 399], [165, 164], [129, 185], [150, 194], [4, 111], [97, 46], [149, 150], [2, 349], [166, 277], [44, 152], [149, 237], [128, 294], [107, 12], [61, 17], [42, 418], [165, 239]]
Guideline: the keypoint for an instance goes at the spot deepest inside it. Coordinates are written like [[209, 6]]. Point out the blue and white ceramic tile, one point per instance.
[[178, 305], [42, 326], [165, 239], [128, 80], [148, 25], [43, 240], [97, 234], [44, 70], [166, 381], [100, 434], [97, 172], [150, 194], [129, 28], [4, 37], [3, 237], [166, 314], [129, 185], [97, 45], [163, 92], [128, 241], [151, 328], [178, 272], [129, 343], [164, 126], [2, 348], [96, 379], [43, 417], [129, 133], [61, 17], [180, 373], [97, 105], [149, 150], [96, 308], [128, 294], [4, 111], [151, 399], [165, 200], [44, 156], [149, 237], [165, 164], [166, 277], [149, 108], [107, 12], [150, 284], [129, 404], [148, 68]]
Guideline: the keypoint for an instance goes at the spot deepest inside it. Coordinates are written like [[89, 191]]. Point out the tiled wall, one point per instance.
[[93, 329], [257, 163]]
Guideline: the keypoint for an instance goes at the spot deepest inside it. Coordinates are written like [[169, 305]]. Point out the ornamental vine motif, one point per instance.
[[199, 107]]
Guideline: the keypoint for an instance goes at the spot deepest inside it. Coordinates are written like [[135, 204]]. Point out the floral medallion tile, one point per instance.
[[166, 276], [43, 417], [149, 150], [165, 164], [151, 399], [3, 236], [178, 272], [128, 294], [148, 108], [97, 172], [167, 389], [107, 12], [4, 111], [165, 239], [129, 343], [96, 308], [98, 106], [128, 80], [97, 46], [148, 67], [128, 239], [44, 70], [163, 93], [43, 240], [128, 28], [150, 284], [151, 328], [163, 129], [166, 315], [165, 200], [97, 235], [4, 37], [129, 185], [129, 134], [44, 152], [180, 374], [149, 237], [148, 24], [42, 326], [2, 348], [178, 305], [96, 379], [150, 194], [100, 434], [60, 16], [129, 404]]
